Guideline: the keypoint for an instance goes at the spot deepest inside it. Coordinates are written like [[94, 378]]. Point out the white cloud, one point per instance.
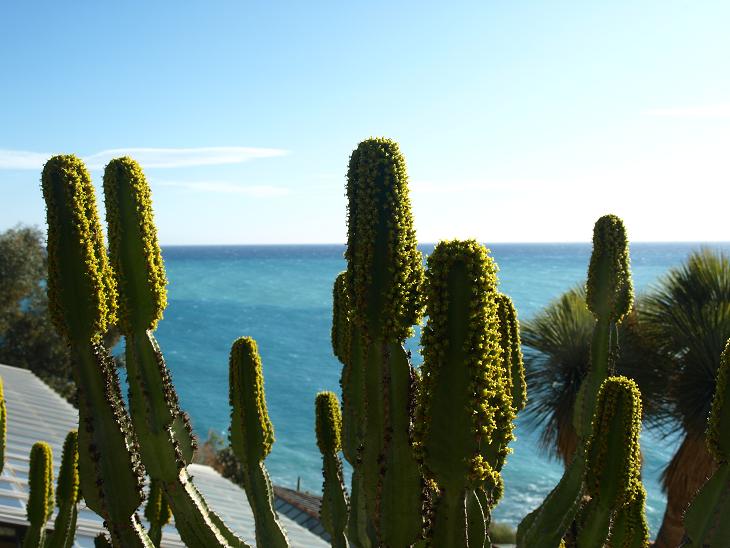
[[255, 191], [721, 110], [147, 157], [22, 159]]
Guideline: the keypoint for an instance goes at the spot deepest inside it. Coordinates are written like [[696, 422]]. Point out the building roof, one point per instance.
[[36, 412]]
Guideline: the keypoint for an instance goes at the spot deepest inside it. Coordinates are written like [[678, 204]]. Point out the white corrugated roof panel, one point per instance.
[[36, 412]]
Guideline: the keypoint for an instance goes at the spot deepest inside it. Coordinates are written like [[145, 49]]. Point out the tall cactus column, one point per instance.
[[706, 520], [164, 433], [384, 274], [67, 495], [610, 297], [464, 405], [252, 436], [81, 295], [40, 498]]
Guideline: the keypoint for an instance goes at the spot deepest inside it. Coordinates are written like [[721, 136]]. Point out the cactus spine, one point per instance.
[[333, 512], [163, 429], [40, 499], [81, 295], [67, 495], [609, 294], [465, 415], [157, 512], [384, 274], [613, 461], [252, 436], [706, 520]]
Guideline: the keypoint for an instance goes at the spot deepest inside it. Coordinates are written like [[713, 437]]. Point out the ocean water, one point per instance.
[[281, 296]]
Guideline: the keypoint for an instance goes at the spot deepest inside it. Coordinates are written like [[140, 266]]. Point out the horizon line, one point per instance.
[[564, 242]]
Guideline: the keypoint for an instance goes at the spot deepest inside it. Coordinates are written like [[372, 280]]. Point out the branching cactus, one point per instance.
[[384, 275], [163, 430], [609, 295], [156, 511], [252, 436], [333, 512], [348, 350], [82, 294], [40, 499], [613, 459], [706, 521], [465, 416], [67, 495]]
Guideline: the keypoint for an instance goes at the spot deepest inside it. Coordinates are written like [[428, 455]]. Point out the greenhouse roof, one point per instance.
[[36, 412]]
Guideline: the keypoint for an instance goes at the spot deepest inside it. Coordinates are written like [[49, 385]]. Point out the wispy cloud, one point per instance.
[[721, 110], [256, 191], [147, 157]]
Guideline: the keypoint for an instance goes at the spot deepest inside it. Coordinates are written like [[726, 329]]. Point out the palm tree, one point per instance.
[[557, 353], [688, 318]]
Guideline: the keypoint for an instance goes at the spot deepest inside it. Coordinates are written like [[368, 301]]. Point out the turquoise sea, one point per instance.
[[281, 296]]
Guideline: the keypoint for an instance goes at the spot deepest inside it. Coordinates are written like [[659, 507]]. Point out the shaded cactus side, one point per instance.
[[706, 520], [333, 511], [613, 459], [464, 403], [251, 436], [163, 429], [40, 499], [67, 495], [384, 275], [81, 294], [609, 294], [156, 512]]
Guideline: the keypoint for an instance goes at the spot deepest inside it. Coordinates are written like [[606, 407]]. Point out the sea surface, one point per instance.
[[282, 296]]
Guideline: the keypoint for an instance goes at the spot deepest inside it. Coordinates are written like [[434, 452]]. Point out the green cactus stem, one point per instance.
[[384, 275], [613, 458], [252, 436], [40, 499], [706, 520], [163, 429], [509, 336], [333, 512], [3, 426], [629, 528], [82, 298], [464, 402], [67, 495], [156, 511]]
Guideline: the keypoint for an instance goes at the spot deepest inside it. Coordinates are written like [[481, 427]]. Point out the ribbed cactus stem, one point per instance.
[[67, 495], [706, 520], [156, 511], [462, 381], [613, 457], [40, 498], [512, 365], [252, 436], [629, 528], [82, 299], [384, 275], [333, 512]]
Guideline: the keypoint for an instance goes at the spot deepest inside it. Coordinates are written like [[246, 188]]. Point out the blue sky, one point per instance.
[[520, 121]]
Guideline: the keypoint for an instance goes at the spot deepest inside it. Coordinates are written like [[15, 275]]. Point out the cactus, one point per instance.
[[705, 521], [40, 499], [3, 426], [609, 294], [81, 295], [383, 279], [333, 512], [613, 458], [252, 436], [629, 528], [157, 511], [465, 416], [101, 541], [67, 495], [163, 429], [509, 336]]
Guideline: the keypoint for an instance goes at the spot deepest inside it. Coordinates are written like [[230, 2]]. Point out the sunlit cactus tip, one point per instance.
[[384, 266], [80, 306], [133, 246], [68, 475], [609, 291], [328, 422], [509, 331], [252, 433], [40, 499]]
